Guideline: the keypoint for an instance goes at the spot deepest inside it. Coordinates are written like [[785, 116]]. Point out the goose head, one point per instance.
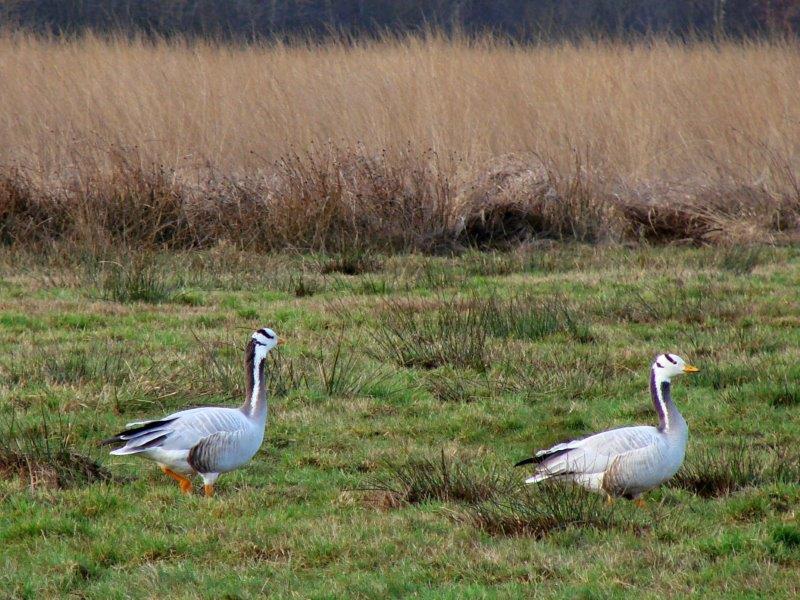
[[264, 340], [667, 366]]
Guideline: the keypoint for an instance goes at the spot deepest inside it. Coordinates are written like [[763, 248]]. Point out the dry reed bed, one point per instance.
[[412, 144]]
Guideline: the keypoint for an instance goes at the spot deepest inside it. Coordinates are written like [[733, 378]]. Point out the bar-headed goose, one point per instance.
[[209, 440], [629, 461]]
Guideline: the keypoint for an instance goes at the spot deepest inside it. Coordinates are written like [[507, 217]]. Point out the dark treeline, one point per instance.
[[524, 20]]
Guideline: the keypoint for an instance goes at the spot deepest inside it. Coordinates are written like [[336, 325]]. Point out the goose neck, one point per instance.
[[669, 417], [255, 405]]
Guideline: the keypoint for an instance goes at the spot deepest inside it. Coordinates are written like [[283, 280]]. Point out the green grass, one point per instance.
[[139, 280], [408, 387]]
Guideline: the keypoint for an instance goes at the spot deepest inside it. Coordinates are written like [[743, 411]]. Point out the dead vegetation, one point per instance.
[[350, 204], [43, 457], [458, 144]]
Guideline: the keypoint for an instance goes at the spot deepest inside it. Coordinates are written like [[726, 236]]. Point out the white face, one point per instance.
[[670, 365], [265, 339]]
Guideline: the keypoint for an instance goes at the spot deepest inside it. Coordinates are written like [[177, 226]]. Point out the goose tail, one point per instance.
[[538, 477], [139, 436]]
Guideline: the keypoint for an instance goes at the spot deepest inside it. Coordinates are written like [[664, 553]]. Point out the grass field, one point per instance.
[[408, 387]]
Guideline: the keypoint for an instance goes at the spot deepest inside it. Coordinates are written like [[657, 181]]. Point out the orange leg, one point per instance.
[[208, 489], [186, 485], [640, 502]]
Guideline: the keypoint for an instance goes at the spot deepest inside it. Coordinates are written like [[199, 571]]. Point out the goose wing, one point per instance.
[[221, 451], [590, 455], [179, 431], [640, 469]]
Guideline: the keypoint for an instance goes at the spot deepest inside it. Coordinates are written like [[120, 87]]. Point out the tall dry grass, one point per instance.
[[406, 143]]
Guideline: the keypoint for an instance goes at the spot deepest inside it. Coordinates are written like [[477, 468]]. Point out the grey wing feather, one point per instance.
[[640, 469], [593, 454], [181, 430], [617, 441], [191, 426]]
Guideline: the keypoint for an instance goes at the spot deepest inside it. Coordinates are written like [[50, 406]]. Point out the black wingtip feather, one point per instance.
[[125, 435], [543, 456], [154, 442]]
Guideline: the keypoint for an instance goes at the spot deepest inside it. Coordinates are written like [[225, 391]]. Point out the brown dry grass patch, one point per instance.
[[402, 144]]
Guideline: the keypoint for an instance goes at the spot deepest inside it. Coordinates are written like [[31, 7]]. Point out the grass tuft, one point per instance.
[[354, 262], [784, 544], [712, 473], [783, 393], [45, 458], [517, 200], [543, 509], [788, 535], [283, 374], [302, 286], [443, 479], [450, 332], [65, 364], [29, 214], [449, 385], [741, 260], [673, 299], [341, 376], [140, 280], [527, 317]]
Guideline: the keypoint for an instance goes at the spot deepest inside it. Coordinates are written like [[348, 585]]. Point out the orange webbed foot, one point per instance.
[[185, 484]]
